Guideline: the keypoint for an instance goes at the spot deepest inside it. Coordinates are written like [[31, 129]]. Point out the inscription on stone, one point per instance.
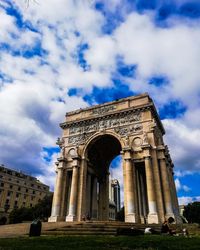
[[103, 110]]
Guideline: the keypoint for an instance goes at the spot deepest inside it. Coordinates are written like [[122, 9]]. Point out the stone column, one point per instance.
[[130, 215], [100, 200], [168, 201], [64, 195], [158, 186], [152, 215], [175, 199], [144, 198], [81, 203], [57, 197], [88, 197], [94, 199], [73, 195]]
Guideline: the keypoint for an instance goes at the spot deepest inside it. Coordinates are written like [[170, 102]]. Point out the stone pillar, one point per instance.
[[143, 198], [100, 200], [81, 203], [88, 197], [168, 201], [130, 215], [64, 195], [158, 186], [57, 197], [152, 215], [73, 194], [94, 199], [175, 199]]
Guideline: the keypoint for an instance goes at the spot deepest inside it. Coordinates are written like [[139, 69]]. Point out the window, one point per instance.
[[2, 184], [24, 196], [11, 186], [19, 188], [32, 185], [27, 190], [31, 204], [33, 191], [17, 195], [32, 198], [9, 194]]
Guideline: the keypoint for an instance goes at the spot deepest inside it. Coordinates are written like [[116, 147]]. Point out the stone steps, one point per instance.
[[94, 228], [72, 228]]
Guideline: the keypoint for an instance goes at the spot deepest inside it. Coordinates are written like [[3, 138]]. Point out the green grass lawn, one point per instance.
[[150, 242]]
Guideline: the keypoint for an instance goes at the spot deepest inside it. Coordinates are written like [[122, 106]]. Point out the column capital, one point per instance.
[[127, 152], [148, 157], [75, 162], [61, 159]]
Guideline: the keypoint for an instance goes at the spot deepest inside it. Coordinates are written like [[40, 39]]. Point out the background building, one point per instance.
[[19, 190], [114, 198]]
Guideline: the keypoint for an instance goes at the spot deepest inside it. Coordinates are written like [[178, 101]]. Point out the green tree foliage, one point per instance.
[[192, 212], [42, 210], [21, 214]]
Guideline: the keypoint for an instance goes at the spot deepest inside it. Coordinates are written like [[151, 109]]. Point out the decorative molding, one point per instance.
[[94, 125], [103, 110]]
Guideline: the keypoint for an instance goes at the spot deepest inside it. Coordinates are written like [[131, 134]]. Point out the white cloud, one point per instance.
[[35, 100], [184, 200], [179, 186]]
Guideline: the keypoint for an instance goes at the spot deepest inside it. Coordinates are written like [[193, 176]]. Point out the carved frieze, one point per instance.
[[79, 139], [122, 123], [128, 129], [114, 121]]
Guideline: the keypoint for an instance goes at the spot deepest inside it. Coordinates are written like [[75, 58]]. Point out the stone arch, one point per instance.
[[126, 125], [99, 134]]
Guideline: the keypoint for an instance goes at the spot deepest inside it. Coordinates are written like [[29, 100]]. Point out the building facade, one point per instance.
[[19, 190], [114, 198], [91, 139]]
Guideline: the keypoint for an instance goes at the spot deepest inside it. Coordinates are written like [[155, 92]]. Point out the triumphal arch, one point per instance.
[[92, 138]]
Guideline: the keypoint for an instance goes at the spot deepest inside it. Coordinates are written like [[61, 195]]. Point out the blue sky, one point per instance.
[[61, 55]]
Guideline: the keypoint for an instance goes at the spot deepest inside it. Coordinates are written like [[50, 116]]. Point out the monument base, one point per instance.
[[130, 218], [70, 218], [152, 219], [56, 218]]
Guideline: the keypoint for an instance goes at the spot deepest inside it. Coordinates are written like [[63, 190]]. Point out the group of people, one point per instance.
[[167, 229]]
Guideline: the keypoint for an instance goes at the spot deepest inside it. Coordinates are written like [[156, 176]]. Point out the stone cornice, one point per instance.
[[107, 104], [105, 116]]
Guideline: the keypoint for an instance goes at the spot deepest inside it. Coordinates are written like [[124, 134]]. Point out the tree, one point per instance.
[[42, 211], [21, 214], [192, 212]]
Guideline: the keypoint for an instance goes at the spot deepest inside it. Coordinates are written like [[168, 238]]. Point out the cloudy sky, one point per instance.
[[61, 55]]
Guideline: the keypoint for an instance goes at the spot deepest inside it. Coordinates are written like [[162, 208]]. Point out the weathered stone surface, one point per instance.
[[92, 137]]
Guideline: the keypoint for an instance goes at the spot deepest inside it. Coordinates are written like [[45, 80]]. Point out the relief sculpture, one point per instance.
[[109, 122]]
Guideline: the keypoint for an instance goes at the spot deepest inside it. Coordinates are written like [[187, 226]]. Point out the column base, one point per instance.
[[130, 218], [56, 218], [70, 218], [152, 219], [142, 220]]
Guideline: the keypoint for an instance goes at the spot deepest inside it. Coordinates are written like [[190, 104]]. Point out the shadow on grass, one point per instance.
[[147, 242]]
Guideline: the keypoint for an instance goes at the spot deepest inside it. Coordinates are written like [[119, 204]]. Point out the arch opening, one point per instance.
[[100, 153]]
